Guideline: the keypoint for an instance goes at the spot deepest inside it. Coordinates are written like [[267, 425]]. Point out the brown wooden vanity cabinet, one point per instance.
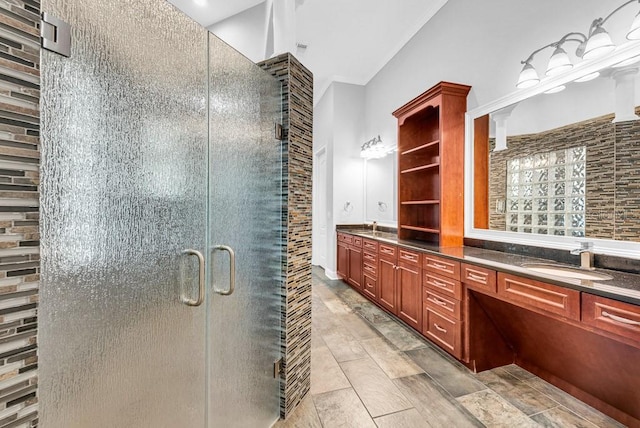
[[610, 316], [370, 268], [350, 259], [409, 289], [580, 342], [442, 320], [539, 296], [479, 278], [343, 256], [387, 256]]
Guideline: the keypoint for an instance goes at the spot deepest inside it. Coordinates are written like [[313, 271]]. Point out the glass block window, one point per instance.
[[546, 193]]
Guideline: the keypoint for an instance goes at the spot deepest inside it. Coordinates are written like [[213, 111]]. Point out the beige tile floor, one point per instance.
[[369, 370]]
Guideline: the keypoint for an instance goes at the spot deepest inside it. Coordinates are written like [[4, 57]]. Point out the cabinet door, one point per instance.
[[355, 267], [387, 285], [343, 261], [369, 287], [409, 295]]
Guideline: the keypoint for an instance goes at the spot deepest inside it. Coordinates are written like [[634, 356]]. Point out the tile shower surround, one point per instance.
[[613, 153], [19, 210], [19, 216], [297, 107]]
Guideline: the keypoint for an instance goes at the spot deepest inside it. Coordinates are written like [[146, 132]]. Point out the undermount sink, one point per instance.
[[566, 271]]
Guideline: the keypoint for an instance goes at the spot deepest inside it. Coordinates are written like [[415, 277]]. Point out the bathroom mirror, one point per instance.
[[380, 190], [568, 171]]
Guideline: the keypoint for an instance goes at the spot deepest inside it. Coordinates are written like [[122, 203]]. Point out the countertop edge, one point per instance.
[[599, 288]]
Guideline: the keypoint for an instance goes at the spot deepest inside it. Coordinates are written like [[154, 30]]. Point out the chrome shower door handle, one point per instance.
[[232, 270], [200, 299]]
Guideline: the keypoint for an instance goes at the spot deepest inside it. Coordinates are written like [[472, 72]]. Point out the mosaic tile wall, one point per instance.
[[627, 181], [612, 176], [19, 212], [297, 96]]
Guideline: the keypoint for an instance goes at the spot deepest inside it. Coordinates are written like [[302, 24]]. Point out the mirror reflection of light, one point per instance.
[[588, 77], [556, 89], [200, 2], [626, 62]]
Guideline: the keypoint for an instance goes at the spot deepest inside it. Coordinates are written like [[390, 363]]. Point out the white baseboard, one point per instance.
[[331, 274]]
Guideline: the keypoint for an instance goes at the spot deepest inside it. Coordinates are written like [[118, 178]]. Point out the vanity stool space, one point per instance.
[[581, 338]]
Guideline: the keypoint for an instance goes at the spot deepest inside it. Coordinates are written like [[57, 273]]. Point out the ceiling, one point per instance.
[[347, 40]]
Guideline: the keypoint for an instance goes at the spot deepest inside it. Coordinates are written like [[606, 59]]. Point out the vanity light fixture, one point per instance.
[[374, 149], [634, 32], [559, 62], [596, 43]]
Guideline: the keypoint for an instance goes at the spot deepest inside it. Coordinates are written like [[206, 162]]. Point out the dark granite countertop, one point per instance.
[[623, 286]]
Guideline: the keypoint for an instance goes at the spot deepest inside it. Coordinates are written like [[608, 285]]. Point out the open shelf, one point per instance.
[[422, 147], [419, 229], [431, 165], [420, 168], [429, 202]]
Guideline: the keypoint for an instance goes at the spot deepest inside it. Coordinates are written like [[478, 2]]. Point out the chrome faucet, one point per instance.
[[374, 226], [586, 255]]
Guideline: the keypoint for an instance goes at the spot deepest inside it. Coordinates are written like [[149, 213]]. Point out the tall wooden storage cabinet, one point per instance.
[[431, 165]]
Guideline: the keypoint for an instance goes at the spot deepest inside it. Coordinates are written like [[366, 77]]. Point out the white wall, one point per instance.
[[245, 32], [479, 43], [339, 126], [323, 140]]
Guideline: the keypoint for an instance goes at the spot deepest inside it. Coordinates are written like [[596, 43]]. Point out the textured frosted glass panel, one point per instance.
[[245, 214], [124, 167]]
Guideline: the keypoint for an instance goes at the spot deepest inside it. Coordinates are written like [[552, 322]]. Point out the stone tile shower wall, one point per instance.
[[297, 96], [612, 152], [19, 212]]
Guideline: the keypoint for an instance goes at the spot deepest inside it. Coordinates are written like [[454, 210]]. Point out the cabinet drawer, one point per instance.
[[343, 237], [445, 286], [446, 332], [387, 251], [441, 266], [357, 242], [533, 294], [370, 258], [480, 277], [441, 304], [369, 245], [616, 317], [370, 269], [408, 257], [370, 286]]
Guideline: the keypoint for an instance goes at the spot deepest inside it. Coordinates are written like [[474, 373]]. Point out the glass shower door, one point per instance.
[[124, 185], [158, 146], [245, 214]]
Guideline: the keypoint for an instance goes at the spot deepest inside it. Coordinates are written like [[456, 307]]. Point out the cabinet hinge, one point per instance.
[[279, 132], [277, 368], [55, 35]]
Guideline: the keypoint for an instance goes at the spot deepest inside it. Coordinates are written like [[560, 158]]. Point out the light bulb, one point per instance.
[[528, 77], [559, 62], [598, 44]]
